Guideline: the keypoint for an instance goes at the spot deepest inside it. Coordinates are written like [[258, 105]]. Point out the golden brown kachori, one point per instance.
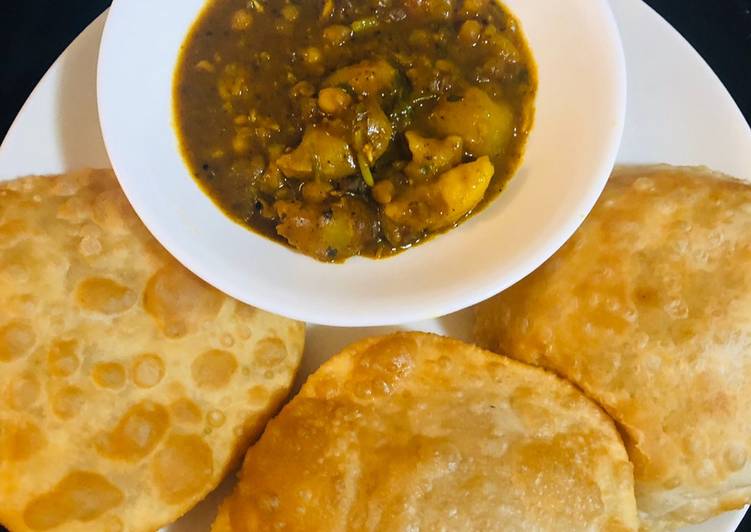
[[648, 309], [128, 386], [418, 432]]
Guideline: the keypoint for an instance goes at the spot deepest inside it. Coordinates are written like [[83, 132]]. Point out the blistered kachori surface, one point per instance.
[[418, 432], [648, 309], [125, 381]]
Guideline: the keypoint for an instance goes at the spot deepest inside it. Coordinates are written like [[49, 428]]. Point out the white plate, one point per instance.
[[678, 113]]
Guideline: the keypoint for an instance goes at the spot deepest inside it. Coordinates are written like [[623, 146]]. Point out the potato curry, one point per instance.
[[353, 127]]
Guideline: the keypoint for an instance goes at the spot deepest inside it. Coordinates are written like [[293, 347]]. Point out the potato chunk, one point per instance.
[[437, 205], [319, 154], [462, 188], [333, 100], [329, 232], [486, 126], [430, 157], [366, 78]]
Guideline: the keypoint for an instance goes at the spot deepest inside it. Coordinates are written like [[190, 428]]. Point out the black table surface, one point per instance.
[[34, 32]]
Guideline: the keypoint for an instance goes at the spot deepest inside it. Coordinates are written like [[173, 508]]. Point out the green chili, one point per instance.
[[364, 25]]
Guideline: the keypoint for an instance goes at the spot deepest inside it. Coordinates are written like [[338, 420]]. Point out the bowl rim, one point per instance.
[[317, 311]]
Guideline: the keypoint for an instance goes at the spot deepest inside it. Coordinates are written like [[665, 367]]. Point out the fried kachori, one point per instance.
[[648, 310], [419, 432], [128, 387]]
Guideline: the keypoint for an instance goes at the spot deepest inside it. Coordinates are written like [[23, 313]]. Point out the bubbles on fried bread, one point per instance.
[[90, 246], [245, 332], [215, 418], [136, 434], [258, 394], [111, 211], [213, 369], [105, 296], [182, 467], [179, 301], [62, 358], [11, 231], [148, 370], [185, 411], [676, 308], [90, 242], [23, 391], [20, 440], [112, 523], [227, 340], [735, 457], [66, 403], [108, 375], [269, 352], [17, 337], [79, 496], [73, 210], [66, 186]]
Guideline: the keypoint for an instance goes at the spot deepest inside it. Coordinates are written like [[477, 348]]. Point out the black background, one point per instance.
[[34, 32]]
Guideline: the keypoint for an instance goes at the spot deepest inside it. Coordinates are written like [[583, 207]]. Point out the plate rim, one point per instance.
[[41, 86]]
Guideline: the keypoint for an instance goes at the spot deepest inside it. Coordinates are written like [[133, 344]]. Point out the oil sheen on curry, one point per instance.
[[353, 127]]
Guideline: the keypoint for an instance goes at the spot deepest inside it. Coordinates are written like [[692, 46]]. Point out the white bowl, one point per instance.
[[580, 109]]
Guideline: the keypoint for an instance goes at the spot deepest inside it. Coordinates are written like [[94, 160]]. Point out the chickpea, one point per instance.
[[204, 65], [383, 191], [333, 100], [290, 13], [284, 26], [444, 66], [245, 169], [337, 34], [308, 109], [312, 55], [505, 47], [419, 38], [302, 88], [241, 20], [470, 32], [270, 180], [316, 191], [241, 140], [473, 7]]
